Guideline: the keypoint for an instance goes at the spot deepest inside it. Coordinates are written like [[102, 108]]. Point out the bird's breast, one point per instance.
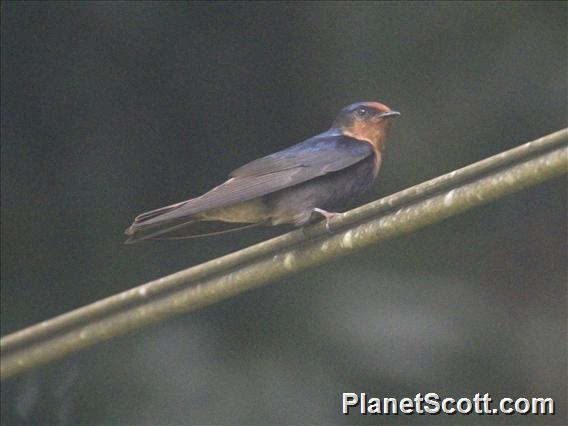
[[328, 192]]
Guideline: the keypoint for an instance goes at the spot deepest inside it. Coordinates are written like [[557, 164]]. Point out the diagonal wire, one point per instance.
[[227, 276]]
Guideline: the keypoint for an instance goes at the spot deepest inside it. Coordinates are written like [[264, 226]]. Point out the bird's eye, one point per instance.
[[362, 111]]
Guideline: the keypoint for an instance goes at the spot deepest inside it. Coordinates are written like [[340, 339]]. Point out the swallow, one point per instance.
[[297, 185]]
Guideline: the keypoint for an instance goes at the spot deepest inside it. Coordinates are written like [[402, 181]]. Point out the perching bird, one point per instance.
[[296, 185]]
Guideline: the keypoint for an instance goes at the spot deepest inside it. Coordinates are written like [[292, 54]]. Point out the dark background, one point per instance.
[[110, 109]]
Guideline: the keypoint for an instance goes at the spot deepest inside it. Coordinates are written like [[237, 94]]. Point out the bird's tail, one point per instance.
[[181, 228]]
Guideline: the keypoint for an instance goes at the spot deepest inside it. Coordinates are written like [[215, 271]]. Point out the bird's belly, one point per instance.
[[296, 204], [252, 211]]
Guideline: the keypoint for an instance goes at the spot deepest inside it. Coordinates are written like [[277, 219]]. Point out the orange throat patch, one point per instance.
[[375, 135]]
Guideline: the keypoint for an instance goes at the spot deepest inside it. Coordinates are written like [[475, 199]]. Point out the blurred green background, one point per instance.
[[109, 109]]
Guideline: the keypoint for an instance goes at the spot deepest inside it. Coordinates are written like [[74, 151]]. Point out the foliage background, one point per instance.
[[112, 108]]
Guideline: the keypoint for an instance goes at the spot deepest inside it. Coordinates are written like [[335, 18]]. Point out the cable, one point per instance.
[[218, 279]]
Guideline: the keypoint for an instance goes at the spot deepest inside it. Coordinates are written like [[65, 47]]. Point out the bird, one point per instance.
[[297, 186]]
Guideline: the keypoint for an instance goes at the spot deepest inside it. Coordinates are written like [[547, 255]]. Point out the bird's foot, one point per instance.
[[328, 217]]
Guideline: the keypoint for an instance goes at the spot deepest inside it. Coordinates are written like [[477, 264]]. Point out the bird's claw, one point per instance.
[[328, 217]]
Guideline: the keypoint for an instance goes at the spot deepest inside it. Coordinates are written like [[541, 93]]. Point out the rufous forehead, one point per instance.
[[378, 106]]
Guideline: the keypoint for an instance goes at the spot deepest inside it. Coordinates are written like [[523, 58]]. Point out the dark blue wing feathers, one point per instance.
[[333, 150]]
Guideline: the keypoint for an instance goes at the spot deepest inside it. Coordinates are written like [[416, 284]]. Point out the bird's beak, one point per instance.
[[389, 114]]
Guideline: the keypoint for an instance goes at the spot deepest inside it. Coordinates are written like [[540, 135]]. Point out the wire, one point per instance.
[[227, 276]]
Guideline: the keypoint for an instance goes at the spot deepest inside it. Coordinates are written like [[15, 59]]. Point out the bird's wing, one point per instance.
[[302, 162], [321, 154]]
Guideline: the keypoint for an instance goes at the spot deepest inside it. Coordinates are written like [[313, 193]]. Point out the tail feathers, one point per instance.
[[148, 225], [229, 227], [154, 213], [138, 232], [188, 229]]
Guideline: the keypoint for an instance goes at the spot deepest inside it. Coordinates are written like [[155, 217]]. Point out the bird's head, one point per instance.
[[367, 121]]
